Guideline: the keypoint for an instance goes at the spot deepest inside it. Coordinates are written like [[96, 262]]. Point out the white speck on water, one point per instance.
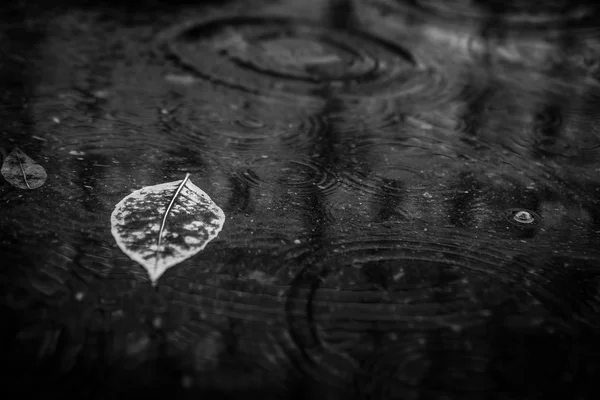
[[186, 381], [79, 296], [76, 153], [56, 120], [261, 277], [297, 241], [137, 345], [180, 79], [101, 94], [427, 195], [398, 276], [157, 322]]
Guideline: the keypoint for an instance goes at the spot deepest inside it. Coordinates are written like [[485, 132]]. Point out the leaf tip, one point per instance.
[[155, 274]]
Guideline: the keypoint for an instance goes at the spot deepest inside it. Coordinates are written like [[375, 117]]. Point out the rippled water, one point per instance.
[[411, 188]]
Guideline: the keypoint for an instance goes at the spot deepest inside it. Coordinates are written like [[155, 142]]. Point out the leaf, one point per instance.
[[21, 171], [160, 226]]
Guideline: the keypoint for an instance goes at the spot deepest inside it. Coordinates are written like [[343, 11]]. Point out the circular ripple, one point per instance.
[[254, 131], [382, 167], [386, 282], [367, 115], [305, 133], [281, 55], [298, 175], [303, 175], [252, 134]]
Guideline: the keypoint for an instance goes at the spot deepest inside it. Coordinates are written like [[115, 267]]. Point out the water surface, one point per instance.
[[411, 191]]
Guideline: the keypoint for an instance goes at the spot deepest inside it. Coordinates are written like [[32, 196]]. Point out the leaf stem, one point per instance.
[[166, 214], [22, 170]]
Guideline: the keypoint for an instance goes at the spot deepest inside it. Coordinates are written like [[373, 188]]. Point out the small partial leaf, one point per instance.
[[21, 171], [160, 226]]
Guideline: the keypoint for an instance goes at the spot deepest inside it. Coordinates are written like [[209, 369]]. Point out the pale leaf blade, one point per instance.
[[22, 171], [162, 225]]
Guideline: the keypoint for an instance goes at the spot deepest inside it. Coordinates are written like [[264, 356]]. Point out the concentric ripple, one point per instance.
[[388, 283], [287, 56], [297, 175], [235, 132], [252, 134]]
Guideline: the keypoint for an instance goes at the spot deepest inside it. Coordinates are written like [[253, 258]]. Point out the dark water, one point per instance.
[[411, 191]]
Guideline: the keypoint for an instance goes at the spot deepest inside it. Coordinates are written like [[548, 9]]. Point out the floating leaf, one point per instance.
[[21, 171], [160, 226]]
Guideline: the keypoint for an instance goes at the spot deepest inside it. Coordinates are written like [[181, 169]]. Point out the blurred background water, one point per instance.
[[411, 191]]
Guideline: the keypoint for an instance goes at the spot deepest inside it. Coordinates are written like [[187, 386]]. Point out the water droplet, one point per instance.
[[249, 51], [524, 217]]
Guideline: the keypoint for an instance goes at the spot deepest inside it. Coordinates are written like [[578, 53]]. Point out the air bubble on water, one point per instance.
[[524, 217]]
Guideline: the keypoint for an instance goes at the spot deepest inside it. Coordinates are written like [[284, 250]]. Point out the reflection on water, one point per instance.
[[411, 191]]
